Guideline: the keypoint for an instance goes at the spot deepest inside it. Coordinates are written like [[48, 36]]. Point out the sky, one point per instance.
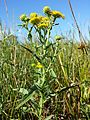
[[17, 7]]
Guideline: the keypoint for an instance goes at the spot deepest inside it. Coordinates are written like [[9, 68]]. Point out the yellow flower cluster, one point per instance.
[[45, 19], [35, 20], [43, 25], [38, 65], [54, 13], [57, 14], [40, 21]]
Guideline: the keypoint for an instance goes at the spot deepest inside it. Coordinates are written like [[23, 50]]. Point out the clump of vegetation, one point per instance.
[[43, 79]]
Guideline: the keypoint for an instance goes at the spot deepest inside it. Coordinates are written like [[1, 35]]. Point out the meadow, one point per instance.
[[41, 79]]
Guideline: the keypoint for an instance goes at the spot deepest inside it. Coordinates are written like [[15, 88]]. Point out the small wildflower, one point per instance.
[[35, 20], [57, 14], [47, 10], [23, 17], [32, 15], [39, 65]]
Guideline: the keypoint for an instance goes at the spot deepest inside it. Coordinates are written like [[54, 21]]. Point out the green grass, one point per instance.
[[58, 90]]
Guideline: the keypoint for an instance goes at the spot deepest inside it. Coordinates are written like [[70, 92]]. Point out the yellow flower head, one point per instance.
[[57, 14], [47, 10], [43, 25], [45, 19], [35, 20], [39, 65], [32, 15], [23, 17]]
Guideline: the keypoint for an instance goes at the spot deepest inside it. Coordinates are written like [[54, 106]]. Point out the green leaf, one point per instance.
[[24, 109], [49, 117], [53, 73], [23, 91], [28, 97]]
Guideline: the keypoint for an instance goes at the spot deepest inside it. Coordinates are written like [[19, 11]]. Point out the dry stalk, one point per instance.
[[83, 43]]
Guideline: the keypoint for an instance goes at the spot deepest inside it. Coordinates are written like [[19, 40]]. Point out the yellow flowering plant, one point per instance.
[[42, 25]]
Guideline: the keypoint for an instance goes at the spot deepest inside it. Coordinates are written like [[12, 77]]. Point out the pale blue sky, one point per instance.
[[18, 7]]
